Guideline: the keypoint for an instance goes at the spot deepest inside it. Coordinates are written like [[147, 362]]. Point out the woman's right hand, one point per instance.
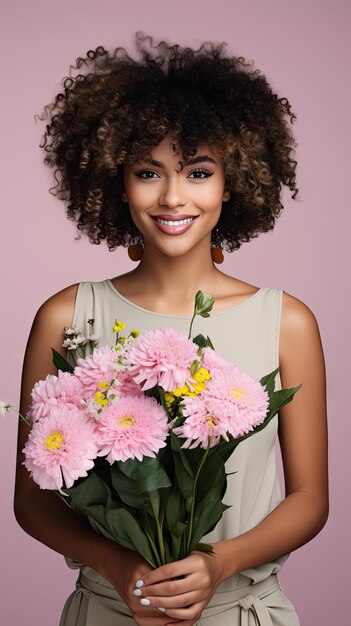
[[122, 568]]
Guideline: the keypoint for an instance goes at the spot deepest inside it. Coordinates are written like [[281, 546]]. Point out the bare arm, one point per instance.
[[303, 439], [42, 513], [303, 512]]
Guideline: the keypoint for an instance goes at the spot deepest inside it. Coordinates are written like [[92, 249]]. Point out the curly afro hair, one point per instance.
[[115, 109]]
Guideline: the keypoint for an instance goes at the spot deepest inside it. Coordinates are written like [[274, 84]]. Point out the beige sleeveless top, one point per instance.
[[247, 335]]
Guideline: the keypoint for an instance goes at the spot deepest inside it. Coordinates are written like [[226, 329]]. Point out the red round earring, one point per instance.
[[217, 253], [135, 252]]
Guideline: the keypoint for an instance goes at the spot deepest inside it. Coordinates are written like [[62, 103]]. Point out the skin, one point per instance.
[[162, 283]]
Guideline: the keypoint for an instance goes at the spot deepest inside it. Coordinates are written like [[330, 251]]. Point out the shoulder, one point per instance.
[[298, 326], [59, 307]]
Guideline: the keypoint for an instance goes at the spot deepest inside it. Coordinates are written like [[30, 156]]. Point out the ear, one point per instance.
[[124, 196], [226, 195]]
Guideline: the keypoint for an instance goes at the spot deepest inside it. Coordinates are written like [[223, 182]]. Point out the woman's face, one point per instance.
[[160, 189]]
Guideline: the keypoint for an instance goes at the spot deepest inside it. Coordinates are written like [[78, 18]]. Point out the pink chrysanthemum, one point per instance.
[[237, 397], [132, 427], [95, 368], [62, 445], [212, 360], [63, 389], [163, 357], [201, 427], [128, 386]]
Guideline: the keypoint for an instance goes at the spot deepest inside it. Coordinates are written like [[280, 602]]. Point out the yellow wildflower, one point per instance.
[[169, 398], [118, 326], [181, 391], [198, 387], [100, 398], [102, 385], [135, 332], [202, 374]]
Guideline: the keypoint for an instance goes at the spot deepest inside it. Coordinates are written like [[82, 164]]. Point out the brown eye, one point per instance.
[[201, 171], [140, 174]]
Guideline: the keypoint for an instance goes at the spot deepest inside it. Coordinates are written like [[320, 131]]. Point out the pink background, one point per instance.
[[302, 48]]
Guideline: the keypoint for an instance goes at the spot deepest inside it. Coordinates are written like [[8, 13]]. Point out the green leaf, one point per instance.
[[209, 343], [207, 513], [200, 340], [204, 547], [60, 362], [174, 507], [212, 475], [91, 491], [124, 488], [280, 398], [177, 534], [268, 381], [129, 533], [146, 475], [189, 503], [154, 497]]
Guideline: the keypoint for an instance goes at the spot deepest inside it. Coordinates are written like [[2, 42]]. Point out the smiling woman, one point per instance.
[[194, 203], [171, 154]]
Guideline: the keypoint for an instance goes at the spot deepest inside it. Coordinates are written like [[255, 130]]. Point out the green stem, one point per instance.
[[190, 526], [159, 531], [20, 414], [148, 532], [191, 324]]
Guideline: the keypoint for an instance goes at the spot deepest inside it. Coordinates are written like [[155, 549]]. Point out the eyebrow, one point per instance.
[[199, 159]]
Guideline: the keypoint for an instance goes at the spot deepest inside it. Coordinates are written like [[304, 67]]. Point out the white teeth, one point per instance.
[[174, 222]]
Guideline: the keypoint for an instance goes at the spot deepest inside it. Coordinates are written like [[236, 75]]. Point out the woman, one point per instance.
[[169, 155]]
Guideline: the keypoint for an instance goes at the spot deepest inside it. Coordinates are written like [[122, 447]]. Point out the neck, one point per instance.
[[176, 278]]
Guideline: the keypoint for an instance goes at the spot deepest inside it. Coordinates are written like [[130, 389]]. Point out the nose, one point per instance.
[[172, 194]]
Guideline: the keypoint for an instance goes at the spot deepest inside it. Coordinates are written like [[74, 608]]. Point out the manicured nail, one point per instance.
[[139, 583], [160, 608], [145, 602], [138, 592]]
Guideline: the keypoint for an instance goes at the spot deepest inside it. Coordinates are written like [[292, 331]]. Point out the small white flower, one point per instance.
[[4, 408], [80, 339], [93, 338], [67, 343], [69, 331]]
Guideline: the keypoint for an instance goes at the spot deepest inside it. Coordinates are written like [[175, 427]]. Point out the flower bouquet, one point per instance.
[[135, 436]]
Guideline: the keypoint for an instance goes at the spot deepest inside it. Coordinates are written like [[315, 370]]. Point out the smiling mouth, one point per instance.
[[174, 222]]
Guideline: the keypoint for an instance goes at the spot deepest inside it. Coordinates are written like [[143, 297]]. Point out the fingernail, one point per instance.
[[145, 602], [138, 592], [160, 608], [139, 583]]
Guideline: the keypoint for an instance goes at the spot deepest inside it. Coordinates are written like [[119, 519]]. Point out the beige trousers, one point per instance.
[[259, 604]]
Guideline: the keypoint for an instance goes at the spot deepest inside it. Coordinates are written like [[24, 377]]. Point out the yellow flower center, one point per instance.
[[127, 420], [211, 421], [54, 442], [236, 393]]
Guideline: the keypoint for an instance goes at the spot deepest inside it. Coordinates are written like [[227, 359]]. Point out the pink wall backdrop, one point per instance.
[[302, 48]]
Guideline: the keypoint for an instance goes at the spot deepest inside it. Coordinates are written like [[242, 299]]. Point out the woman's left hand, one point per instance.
[[184, 588]]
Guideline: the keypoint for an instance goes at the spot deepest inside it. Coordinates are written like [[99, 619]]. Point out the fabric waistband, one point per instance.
[[248, 598]]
